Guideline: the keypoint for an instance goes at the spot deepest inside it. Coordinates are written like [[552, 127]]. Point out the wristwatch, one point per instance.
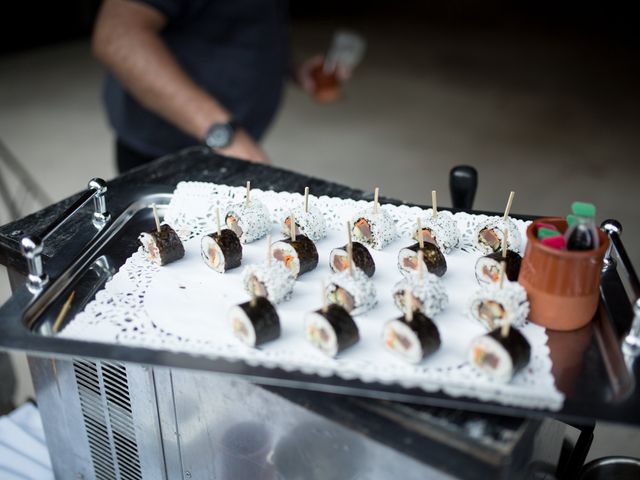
[[220, 135]]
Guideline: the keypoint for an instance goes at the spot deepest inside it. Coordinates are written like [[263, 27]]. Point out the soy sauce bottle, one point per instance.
[[582, 233]]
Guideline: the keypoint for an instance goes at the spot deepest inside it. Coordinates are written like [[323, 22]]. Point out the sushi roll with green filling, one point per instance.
[[412, 340], [275, 281], [299, 255], [500, 357], [433, 259], [362, 259], [427, 294], [441, 230], [255, 322], [310, 224], [352, 290], [249, 223], [493, 305], [488, 235], [221, 251], [162, 247], [489, 267], [331, 330], [374, 228]]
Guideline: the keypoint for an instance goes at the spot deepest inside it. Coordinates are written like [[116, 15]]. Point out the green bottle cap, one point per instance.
[[547, 232], [571, 219], [583, 209]]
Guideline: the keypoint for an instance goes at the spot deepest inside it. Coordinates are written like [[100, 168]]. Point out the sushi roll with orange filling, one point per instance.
[[275, 281], [221, 251], [310, 224], [299, 256], [374, 228], [433, 259], [492, 305], [162, 247], [427, 294], [353, 291], [488, 235], [249, 223], [331, 330], [489, 267], [412, 340], [500, 357], [441, 230], [255, 322], [362, 259]]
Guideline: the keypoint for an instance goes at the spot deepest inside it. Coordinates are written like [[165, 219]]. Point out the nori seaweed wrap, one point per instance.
[[222, 251], [299, 255], [489, 266], [412, 340], [500, 357], [255, 322], [433, 259], [162, 247], [362, 259], [331, 331]]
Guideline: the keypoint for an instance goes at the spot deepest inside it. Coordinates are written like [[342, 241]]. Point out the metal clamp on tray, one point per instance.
[[32, 246]]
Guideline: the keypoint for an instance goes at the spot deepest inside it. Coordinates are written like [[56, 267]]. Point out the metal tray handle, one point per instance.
[[32, 245]]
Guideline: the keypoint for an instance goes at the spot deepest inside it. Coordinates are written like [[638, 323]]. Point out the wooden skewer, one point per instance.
[[248, 195], [63, 312], [325, 303], [350, 248], [508, 209], [254, 298], [218, 221], [408, 308], [420, 237], [375, 199], [269, 251], [155, 217], [420, 264], [506, 323], [505, 237], [306, 199], [292, 227], [503, 268], [434, 204]]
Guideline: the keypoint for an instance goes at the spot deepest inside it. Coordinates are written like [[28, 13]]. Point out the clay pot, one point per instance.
[[327, 86], [563, 286]]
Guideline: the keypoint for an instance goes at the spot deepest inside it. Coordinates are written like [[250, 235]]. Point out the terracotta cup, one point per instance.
[[562, 285]]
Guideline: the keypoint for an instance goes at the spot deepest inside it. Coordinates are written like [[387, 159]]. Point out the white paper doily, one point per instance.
[[183, 306]]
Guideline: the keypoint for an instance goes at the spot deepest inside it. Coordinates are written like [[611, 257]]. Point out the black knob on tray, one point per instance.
[[463, 182]]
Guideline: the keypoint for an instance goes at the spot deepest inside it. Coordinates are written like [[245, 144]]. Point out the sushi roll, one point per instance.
[[492, 305], [362, 259], [249, 223], [488, 235], [433, 259], [375, 229], [427, 294], [332, 330], [299, 256], [273, 281], [221, 251], [255, 322], [488, 268], [162, 247], [310, 224], [442, 230], [500, 357], [412, 340], [355, 292]]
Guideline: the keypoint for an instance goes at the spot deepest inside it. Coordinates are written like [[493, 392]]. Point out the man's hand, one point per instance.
[[304, 77], [245, 147]]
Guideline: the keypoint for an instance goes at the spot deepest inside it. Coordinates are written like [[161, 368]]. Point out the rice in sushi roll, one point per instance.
[[498, 357], [488, 235], [375, 229], [433, 258], [299, 255], [492, 305], [255, 322], [273, 281], [428, 294], [489, 267], [222, 251], [249, 223], [162, 247], [332, 330], [355, 292], [362, 259], [442, 230], [310, 224], [412, 340]]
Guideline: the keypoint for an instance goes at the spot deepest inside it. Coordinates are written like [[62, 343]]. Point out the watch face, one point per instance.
[[219, 135]]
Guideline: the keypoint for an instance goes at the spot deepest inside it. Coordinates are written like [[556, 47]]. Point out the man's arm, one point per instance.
[[127, 40]]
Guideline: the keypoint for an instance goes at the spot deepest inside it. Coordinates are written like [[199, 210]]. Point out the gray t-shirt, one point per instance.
[[238, 50]]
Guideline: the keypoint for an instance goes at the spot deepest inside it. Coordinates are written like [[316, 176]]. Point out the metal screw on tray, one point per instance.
[[100, 214], [31, 248], [610, 227]]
